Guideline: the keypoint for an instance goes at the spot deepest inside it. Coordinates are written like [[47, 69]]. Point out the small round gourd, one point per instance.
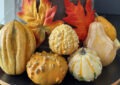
[[63, 40], [85, 65], [17, 43]]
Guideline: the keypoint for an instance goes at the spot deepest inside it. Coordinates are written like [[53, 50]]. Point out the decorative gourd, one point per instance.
[[85, 65], [108, 27], [47, 68], [63, 40], [98, 40], [17, 44]]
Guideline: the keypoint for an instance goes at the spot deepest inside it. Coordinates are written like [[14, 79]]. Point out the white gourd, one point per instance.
[[85, 65]]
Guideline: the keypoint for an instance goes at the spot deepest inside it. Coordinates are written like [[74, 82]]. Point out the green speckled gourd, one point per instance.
[[17, 43]]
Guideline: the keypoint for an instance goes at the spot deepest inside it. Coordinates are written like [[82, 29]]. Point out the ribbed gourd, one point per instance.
[[63, 40], [85, 65], [17, 43]]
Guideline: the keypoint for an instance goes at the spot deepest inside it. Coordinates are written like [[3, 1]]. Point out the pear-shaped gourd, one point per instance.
[[85, 65], [108, 27], [17, 43], [98, 40]]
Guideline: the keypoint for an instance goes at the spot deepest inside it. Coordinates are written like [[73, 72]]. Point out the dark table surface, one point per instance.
[[109, 74]]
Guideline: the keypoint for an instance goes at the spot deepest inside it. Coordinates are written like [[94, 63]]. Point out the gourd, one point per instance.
[[85, 65], [98, 40], [17, 43], [63, 40], [108, 27], [47, 68]]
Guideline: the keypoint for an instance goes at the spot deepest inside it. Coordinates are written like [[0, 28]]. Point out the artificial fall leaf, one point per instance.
[[78, 17], [29, 13], [44, 16], [40, 21]]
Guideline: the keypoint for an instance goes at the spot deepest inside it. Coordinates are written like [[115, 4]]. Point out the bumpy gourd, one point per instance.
[[47, 68], [108, 27], [98, 40], [17, 44], [85, 65], [63, 40]]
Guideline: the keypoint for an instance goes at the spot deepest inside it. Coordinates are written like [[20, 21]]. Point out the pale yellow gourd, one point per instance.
[[110, 29], [63, 40], [85, 65], [98, 40]]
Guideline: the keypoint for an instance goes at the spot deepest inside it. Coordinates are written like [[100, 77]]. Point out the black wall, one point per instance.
[[107, 6]]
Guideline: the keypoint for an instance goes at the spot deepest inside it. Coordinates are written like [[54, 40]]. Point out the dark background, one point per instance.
[[108, 6]]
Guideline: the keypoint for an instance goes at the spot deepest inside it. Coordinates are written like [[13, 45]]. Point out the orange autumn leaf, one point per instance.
[[44, 17], [28, 12], [78, 17]]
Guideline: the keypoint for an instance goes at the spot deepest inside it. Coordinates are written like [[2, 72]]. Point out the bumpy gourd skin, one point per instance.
[[63, 40], [85, 65], [17, 44], [47, 68]]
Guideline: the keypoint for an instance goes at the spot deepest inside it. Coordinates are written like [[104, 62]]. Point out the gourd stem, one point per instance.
[[81, 44], [83, 51]]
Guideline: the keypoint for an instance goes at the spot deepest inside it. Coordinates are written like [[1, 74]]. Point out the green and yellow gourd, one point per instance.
[[85, 65], [17, 43]]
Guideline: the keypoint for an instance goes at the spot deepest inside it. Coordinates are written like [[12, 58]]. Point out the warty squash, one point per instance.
[[47, 68], [63, 40]]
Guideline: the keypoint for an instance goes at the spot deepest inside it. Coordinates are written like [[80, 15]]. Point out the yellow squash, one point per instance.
[[47, 68], [108, 27], [98, 40], [17, 44]]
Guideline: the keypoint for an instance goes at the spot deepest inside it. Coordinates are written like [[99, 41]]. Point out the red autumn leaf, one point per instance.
[[78, 17], [49, 18]]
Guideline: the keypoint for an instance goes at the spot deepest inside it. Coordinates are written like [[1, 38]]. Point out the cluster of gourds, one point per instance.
[[18, 43]]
